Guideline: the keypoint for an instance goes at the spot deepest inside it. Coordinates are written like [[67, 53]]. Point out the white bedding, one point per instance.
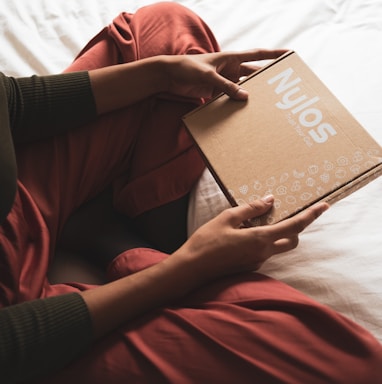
[[339, 259]]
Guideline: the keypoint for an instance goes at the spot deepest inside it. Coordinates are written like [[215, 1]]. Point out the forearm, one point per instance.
[[218, 248], [118, 302], [122, 85], [43, 106]]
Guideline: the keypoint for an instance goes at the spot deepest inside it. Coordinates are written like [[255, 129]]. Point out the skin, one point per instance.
[[221, 247], [200, 76]]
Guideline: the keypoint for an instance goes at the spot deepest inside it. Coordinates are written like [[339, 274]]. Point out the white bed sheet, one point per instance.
[[339, 259]]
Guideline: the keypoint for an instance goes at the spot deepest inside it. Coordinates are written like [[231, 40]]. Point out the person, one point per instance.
[[110, 125]]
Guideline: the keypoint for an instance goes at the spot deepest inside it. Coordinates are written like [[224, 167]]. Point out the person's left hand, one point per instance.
[[223, 246], [205, 75]]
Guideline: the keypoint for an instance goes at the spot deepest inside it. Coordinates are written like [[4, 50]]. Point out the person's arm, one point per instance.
[[45, 106], [219, 248], [42, 336], [194, 76]]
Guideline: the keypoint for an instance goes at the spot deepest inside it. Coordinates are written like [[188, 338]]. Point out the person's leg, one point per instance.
[[241, 329], [59, 175], [144, 150], [164, 166], [167, 171]]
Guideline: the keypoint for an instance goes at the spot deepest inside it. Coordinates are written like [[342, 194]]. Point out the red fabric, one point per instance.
[[144, 150], [242, 329], [246, 328]]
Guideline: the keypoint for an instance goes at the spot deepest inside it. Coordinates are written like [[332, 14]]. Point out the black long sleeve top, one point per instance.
[[43, 335]]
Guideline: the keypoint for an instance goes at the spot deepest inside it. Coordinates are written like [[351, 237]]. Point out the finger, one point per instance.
[[238, 215], [260, 54], [295, 225], [246, 69], [222, 84], [233, 90]]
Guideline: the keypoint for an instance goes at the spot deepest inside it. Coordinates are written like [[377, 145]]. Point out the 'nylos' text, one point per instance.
[[300, 105]]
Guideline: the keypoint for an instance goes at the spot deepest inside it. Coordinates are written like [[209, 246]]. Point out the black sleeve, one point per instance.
[[44, 106], [42, 336]]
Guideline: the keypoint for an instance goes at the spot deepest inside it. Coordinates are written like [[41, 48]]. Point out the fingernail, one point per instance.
[[269, 199], [324, 207], [242, 94], [321, 208]]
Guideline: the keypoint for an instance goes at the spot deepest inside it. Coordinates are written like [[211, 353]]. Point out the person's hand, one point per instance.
[[219, 248], [205, 75], [224, 246], [191, 76]]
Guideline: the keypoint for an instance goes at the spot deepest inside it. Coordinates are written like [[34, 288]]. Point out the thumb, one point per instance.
[[242, 213], [231, 89]]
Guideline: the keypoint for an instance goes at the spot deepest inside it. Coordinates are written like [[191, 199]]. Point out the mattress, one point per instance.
[[339, 259]]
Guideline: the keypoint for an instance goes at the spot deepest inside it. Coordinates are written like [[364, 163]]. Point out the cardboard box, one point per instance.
[[292, 139]]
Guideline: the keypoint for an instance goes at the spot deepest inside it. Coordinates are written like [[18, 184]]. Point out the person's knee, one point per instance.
[[168, 28], [166, 10]]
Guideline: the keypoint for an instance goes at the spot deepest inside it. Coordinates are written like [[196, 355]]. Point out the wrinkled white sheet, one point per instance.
[[339, 259]]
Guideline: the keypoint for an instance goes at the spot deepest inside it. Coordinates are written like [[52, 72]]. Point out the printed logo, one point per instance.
[[309, 115]]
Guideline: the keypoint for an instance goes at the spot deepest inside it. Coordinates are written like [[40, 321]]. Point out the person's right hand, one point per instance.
[[205, 75], [224, 246]]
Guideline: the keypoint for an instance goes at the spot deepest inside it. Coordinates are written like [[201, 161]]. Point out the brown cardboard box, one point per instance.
[[292, 139]]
